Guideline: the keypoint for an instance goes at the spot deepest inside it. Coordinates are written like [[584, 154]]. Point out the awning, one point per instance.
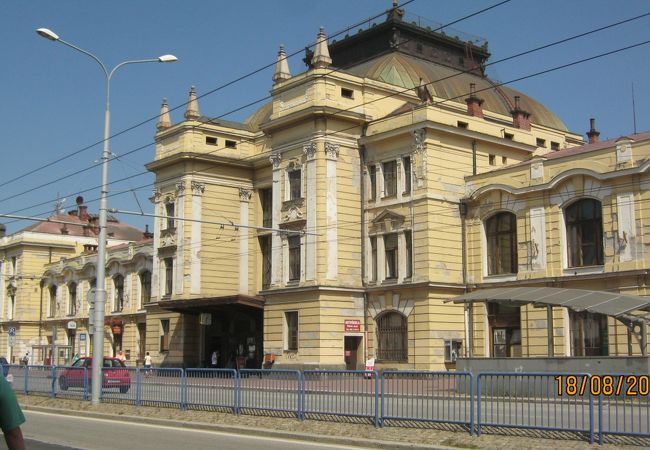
[[199, 305], [601, 302]]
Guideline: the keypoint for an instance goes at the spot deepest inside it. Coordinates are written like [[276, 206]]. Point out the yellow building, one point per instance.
[[24, 255], [572, 219], [327, 228]]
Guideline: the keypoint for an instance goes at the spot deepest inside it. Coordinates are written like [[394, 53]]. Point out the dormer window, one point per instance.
[[231, 144], [347, 93], [209, 140]]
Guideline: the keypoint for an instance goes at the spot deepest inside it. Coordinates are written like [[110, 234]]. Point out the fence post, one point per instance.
[[301, 396], [183, 390], [53, 392], [600, 419], [138, 387], [377, 419], [383, 390], [25, 384], [591, 418], [471, 404], [478, 405], [85, 375], [237, 393]]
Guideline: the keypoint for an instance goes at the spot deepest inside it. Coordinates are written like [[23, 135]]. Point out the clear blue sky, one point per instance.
[[53, 97]]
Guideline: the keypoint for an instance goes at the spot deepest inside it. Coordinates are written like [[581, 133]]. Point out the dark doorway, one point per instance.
[[351, 345], [142, 342], [235, 334]]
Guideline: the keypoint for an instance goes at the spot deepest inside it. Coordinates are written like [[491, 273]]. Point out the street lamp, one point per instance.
[[100, 293]]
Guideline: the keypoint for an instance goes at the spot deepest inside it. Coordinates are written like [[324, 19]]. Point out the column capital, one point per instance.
[[309, 150], [197, 188], [275, 158], [180, 188], [331, 151], [418, 140], [156, 193], [245, 194]]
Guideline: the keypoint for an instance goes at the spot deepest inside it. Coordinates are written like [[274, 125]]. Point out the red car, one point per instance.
[[116, 377]]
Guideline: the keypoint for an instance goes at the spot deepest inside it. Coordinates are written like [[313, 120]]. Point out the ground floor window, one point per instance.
[[392, 337], [164, 335], [505, 330], [589, 335], [291, 331]]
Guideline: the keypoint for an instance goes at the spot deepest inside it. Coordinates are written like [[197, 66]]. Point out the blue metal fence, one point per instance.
[[352, 393], [594, 406], [439, 397]]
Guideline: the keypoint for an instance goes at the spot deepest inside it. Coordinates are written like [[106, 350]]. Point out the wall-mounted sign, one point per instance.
[[352, 325], [72, 325]]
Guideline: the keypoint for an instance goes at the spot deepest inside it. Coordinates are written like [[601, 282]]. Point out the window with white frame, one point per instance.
[[145, 287], [391, 251], [584, 231], [291, 331], [453, 349], [389, 169]]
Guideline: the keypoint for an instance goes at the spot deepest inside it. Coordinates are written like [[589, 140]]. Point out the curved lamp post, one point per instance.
[[100, 293]]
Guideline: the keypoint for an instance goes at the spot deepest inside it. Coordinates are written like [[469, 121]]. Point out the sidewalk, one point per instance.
[[314, 430]]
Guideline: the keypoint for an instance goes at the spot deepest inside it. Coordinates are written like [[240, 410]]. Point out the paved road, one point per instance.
[[99, 434]]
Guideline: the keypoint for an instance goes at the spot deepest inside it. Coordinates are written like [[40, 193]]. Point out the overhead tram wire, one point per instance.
[[435, 81], [248, 104], [212, 91]]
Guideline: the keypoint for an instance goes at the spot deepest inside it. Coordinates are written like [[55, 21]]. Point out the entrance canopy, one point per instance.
[[199, 305], [607, 303]]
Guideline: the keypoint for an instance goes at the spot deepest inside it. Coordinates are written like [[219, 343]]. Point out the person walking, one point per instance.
[[214, 361], [11, 417], [147, 364], [120, 356]]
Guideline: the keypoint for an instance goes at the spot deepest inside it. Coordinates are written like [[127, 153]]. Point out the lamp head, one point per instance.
[[167, 58], [48, 34]]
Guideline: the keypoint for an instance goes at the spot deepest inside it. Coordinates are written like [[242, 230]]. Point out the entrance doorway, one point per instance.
[[236, 335], [352, 352]]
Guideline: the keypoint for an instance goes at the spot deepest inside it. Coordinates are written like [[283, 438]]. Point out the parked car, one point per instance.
[[5, 366], [117, 376]]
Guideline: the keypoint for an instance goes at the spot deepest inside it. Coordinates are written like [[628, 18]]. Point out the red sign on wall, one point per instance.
[[352, 325]]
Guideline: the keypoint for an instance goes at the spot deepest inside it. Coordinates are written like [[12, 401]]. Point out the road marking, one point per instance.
[[222, 433]]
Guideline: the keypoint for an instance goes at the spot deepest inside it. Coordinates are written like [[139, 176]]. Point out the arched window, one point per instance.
[[392, 337], [72, 299], [52, 300], [584, 231], [501, 234], [118, 283], [145, 287]]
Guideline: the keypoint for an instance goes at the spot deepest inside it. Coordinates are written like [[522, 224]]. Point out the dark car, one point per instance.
[[117, 375], [5, 366]]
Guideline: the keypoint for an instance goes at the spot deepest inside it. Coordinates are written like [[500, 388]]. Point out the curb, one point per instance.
[[233, 429]]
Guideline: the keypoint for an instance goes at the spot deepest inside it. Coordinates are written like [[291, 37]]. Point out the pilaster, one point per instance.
[[244, 199], [310, 239], [276, 244], [331, 210], [195, 238], [179, 265]]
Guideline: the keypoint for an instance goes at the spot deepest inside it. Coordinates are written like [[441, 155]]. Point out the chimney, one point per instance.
[[147, 234], [593, 134], [520, 118], [474, 104], [82, 210]]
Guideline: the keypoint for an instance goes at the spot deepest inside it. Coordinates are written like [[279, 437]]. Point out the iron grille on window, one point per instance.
[[294, 258], [390, 178], [584, 226], [392, 337], [501, 233]]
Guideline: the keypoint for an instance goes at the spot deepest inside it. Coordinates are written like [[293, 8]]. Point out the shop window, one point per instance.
[[291, 331], [505, 330], [118, 293], [145, 287], [389, 169], [584, 230], [72, 299], [392, 337], [390, 247], [453, 348], [501, 234], [406, 163], [294, 257], [589, 334], [164, 335]]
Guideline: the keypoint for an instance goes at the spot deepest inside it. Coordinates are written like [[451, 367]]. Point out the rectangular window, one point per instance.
[[453, 348], [541, 142], [462, 124], [72, 299], [390, 178], [492, 160], [211, 140], [170, 212], [294, 184], [504, 160], [14, 266], [169, 276], [508, 136], [52, 301], [164, 335], [555, 146], [347, 93], [390, 245], [406, 162], [265, 248], [231, 144], [266, 202], [372, 174], [373, 258], [294, 258], [118, 283], [291, 329], [408, 254], [145, 287]]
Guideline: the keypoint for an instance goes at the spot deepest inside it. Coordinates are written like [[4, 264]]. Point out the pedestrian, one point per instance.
[[215, 359], [120, 356], [25, 359], [147, 364], [75, 358], [11, 417]]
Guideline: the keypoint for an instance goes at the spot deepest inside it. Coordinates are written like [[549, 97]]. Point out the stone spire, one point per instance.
[[321, 59], [192, 110], [164, 121], [281, 66]]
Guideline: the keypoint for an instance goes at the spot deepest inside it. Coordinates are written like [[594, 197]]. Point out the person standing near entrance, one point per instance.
[[11, 417], [147, 364], [214, 360]]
